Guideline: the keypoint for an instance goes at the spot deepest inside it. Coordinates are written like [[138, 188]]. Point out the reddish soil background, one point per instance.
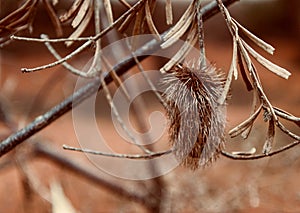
[[266, 185]]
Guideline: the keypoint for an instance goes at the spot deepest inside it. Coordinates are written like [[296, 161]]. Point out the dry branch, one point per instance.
[[72, 101]]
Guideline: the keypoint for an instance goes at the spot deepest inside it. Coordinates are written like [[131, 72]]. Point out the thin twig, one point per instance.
[[46, 119], [115, 155]]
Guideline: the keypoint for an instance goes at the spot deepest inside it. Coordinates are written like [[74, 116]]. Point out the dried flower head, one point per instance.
[[196, 119]]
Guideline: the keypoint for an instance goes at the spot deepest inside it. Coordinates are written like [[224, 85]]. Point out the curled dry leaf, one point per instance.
[[80, 29], [245, 124], [81, 13], [243, 72], [266, 63], [18, 20], [137, 28], [270, 138], [288, 116], [60, 202], [169, 12], [125, 3], [232, 72], [75, 6], [182, 22], [252, 151], [264, 45], [254, 106], [183, 51], [53, 17], [151, 25], [109, 12]]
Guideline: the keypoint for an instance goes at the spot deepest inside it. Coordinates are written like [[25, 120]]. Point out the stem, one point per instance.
[[79, 96]]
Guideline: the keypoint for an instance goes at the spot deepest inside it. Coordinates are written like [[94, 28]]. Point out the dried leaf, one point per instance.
[[245, 153], [181, 22], [245, 55], [245, 124], [266, 63], [264, 45], [108, 10], [169, 42], [15, 15], [126, 22], [81, 27], [270, 138], [18, 20], [137, 29], [54, 19], [66, 16], [150, 22], [169, 12], [232, 72], [81, 13], [55, 2], [116, 78], [283, 114], [183, 51], [60, 203], [255, 102], [243, 71], [125, 3]]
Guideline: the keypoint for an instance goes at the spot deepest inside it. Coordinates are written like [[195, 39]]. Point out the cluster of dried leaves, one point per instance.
[[140, 16]]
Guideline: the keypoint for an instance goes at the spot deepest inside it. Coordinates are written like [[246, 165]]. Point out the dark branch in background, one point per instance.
[[45, 151], [79, 96]]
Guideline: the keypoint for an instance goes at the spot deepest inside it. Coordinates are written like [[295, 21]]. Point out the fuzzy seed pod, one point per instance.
[[196, 119]]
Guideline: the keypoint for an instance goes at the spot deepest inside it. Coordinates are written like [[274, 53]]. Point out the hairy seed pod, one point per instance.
[[196, 119]]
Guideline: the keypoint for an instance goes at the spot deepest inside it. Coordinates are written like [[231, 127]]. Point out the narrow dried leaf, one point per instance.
[[245, 153], [255, 102], [232, 72], [17, 13], [125, 3], [283, 114], [108, 10], [53, 17], [169, 12], [116, 79], [60, 203], [81, 27], [126, 22], [66, 16], [20, 20], [183, 51], [245, 124], [55, 2], [268, 64], [137, 29], [243, 71], [270, 138], [81, 13], [169, 42], [264, 45], [181, 22], [245, 55], [150, 22]]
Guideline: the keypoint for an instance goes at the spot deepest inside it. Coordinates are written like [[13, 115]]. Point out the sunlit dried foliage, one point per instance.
[[138, 17]]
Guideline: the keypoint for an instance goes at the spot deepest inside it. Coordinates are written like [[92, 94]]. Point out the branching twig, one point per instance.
[[44, 120]]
